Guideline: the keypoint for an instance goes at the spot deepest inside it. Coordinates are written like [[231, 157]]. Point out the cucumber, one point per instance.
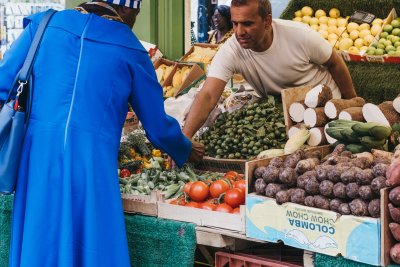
[[349, 135], [356, 148], [362, 129], [380, 132], [371, 142]]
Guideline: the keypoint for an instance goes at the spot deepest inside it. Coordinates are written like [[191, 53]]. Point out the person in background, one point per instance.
[[222, 24], [272, 55], [67, 206]]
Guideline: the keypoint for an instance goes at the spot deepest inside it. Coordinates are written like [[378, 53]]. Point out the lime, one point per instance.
[[390, 48], [396, 32], [379, 51], [388, 28], [381, 46], [395, 23], [384, 34]]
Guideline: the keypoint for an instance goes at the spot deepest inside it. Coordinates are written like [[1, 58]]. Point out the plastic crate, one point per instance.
[[223, 259]]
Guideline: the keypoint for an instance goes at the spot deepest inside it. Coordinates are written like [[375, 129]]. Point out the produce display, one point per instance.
[[136, 154], [389, 40], [225, 193], [343, 182], [171, 182], [338, 31], [393, 175], [246, 132], [359, 136]]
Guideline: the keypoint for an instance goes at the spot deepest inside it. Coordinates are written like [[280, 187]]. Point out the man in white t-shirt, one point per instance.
[[271, 55]]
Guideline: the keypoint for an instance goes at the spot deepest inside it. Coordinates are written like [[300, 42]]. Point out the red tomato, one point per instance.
[[236, 210], [124, 173], [241, 184], [232, 173], [186, 187], [193, 205], [223, 207], [234, 197], [198, 191], [207, 206], [218, 187]]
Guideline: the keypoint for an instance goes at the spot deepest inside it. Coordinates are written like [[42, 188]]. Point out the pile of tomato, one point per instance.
[[223, 195]]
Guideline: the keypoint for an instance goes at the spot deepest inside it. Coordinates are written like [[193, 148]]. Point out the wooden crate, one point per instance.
[[290, 96], [144, 204], [207, 218]]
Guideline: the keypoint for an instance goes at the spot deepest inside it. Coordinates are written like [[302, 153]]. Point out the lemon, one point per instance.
[[345, 35], [375, 29], [332, 22], [364, 33], [333, 29], [368, 39], [323, 20], [353, 50], [314, 21], [359, 43], [323, 27], [345, 44], [334, 13], [298, 14], [341, 29], [307, 11], [363, 49], [332, 42], [377, 21], [298, 19], [306, 19], [364, 26], [323, 33], [332, 36], [341, 22], [354, 34], [315, 27], [320, 13], [352, 26]]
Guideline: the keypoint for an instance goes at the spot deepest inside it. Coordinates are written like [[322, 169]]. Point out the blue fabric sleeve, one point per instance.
[[147, 101]]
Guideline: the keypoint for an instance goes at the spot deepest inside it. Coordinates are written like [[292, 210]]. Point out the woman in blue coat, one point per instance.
[[67, 208]]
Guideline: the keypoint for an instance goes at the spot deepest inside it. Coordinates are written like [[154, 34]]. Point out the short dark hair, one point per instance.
[[225, 11], [264, 6]]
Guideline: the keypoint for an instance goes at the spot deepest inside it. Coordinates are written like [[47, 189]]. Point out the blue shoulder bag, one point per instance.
[[13, 119]]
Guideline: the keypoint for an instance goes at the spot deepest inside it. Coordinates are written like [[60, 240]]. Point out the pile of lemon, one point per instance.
[[338, 31]]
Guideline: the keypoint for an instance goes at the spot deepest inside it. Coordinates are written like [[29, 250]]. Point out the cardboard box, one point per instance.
[[200, 62], [166, 62], [317, 230], [195, 73], [208, 218], [141, 203], [372, 58], [222, 165]]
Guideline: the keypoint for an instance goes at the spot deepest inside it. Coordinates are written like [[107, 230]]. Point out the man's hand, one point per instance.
[[197, 152]]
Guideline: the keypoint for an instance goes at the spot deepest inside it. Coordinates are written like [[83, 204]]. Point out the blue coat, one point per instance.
[[67, 209]]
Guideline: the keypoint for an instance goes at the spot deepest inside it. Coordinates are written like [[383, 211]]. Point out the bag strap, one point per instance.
[[27, 67], [26, 70]]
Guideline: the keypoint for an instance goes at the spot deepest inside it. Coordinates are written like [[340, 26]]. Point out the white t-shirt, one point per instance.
[[294, 59]]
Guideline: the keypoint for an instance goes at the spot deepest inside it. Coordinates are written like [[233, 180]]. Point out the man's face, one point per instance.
[[250, 28]]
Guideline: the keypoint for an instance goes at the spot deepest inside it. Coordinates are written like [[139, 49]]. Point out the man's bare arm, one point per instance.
[[341, 75], [204, 103]]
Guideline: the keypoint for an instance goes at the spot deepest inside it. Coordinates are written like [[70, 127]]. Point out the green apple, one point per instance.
[[391, 53], [395, 23], [396, 32], [387, 43], [379, 51], [381, 46], [371, 50], [396, 44], [375, 45], [384, 35], [388, 28], [382, 40], [396, 53], [395, 39], [390, 48]]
